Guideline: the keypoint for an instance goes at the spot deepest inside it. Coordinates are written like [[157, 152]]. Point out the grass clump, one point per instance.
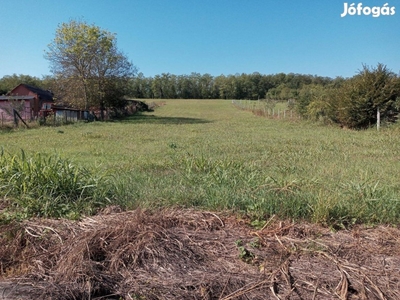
[[49, 186]]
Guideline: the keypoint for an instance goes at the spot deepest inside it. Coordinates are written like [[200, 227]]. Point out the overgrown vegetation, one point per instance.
[[49, 186], [210, 155], [357, 101]]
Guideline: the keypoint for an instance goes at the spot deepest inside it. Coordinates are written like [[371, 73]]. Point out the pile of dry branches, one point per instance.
[[188, 254]]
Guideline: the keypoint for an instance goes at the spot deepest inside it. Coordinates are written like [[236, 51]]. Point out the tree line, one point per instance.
[[239, 86], [253, 86]]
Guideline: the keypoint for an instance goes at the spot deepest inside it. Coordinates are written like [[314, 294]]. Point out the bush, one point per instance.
[[354, 102], [361, 96]]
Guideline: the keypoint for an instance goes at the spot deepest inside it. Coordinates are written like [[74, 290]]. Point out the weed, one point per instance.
[[173, 145], [244, 254], [258, 224], [255, 243]]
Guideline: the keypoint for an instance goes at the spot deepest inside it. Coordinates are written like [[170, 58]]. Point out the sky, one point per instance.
[[211, 36]]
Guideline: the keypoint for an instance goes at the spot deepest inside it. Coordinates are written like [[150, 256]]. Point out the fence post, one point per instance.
[[378, 119]]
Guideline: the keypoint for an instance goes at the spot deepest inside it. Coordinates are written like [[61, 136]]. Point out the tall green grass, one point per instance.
[[49, 186], [209, 154]]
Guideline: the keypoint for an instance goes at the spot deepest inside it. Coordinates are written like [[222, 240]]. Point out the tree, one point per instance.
[[353, 102], [88, 66], [7, 83], [206, 84], [361, 96]]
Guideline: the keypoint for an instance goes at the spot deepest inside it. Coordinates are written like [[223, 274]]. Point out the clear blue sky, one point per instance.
[[209, 36]]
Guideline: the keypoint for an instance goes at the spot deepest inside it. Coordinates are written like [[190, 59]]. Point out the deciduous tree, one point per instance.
[[88, 65]]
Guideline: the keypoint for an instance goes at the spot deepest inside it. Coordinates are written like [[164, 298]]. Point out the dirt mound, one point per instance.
[[188, 254]]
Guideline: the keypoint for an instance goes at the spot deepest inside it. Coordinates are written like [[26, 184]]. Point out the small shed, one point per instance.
[[66, 114]]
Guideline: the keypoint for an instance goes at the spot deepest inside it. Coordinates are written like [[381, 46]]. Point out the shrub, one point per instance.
[[360, 97], [354, 102]]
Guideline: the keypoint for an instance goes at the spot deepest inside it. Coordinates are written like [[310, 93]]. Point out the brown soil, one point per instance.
[[188, 254]]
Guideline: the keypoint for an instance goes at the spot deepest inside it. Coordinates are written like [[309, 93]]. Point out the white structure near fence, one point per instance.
[[264, 108]]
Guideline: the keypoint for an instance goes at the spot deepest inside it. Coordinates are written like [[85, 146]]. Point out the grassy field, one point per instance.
[[209, 154]]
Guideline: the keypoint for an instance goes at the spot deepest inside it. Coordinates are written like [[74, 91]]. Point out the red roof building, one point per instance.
[[29, 100]]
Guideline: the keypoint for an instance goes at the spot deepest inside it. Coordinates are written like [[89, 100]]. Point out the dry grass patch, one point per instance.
[[188, 254]]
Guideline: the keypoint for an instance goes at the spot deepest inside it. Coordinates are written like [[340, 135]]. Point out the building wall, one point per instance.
[[6, 114], [21, 90], [36, 104]]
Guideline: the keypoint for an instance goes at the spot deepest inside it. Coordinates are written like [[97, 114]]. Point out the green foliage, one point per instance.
[[244, 254], [354, 102], [313, 102], [362, 95], [88, 67], [239, 86], [8, 82], [46, 185]]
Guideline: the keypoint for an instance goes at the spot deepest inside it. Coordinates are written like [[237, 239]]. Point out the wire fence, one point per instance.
[[268, 108], [8, 118]]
